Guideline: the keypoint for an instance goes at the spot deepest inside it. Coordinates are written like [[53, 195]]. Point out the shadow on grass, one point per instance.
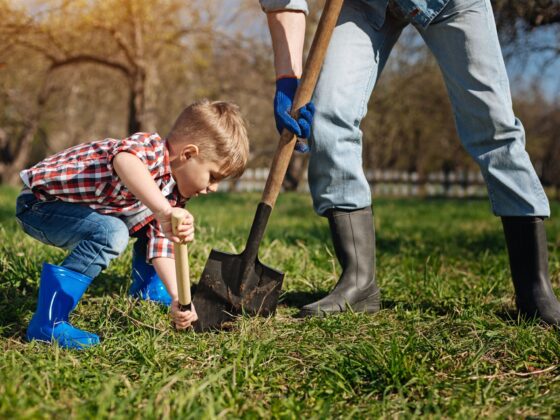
[[455, 244], [296, 299], [14, 316], [7, 214], [513, 318]]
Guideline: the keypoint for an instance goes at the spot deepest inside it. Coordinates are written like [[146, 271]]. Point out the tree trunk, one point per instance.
[[151, 87], [9, 171], [135, 105]]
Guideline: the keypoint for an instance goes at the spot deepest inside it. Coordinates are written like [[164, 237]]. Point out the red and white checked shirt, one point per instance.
[[84, 174]]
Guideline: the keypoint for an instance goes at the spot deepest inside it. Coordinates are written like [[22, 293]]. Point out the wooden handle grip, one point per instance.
[[181, 261], [303, 95]]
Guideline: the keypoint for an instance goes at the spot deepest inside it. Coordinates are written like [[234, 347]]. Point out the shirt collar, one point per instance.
[[172, 185]]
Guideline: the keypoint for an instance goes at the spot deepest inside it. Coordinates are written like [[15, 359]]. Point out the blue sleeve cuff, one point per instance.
[[279, 5]]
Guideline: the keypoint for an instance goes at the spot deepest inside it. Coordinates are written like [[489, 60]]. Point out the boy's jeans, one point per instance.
[[93, 239], [464, 42]]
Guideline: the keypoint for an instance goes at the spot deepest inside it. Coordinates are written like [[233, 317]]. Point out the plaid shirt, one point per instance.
[[84, 174]]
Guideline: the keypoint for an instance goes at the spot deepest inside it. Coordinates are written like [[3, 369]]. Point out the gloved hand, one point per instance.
[[283, 99]]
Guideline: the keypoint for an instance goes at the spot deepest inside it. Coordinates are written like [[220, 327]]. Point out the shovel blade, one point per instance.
[[230, 287]]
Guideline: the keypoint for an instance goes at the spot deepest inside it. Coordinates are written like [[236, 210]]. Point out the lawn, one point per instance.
[[446, 344]]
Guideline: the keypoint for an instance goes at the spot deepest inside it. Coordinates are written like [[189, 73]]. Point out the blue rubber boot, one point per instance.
[[59, 292], [146, 284]]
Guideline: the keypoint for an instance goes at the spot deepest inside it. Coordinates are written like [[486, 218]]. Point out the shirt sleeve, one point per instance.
[[279, 5], [158, 245], [142, 145]]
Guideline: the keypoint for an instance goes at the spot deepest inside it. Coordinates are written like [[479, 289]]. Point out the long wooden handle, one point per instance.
[[181, 263], [305, 89]]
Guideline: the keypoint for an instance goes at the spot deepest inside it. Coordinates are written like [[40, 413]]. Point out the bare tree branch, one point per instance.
[[92, 59]]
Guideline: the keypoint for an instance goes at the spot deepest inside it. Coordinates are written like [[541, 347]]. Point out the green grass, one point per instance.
[[446, 344]]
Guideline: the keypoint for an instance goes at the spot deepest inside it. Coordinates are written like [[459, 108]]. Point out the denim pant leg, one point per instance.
[[355, 58], [93, 239], [464, 41]]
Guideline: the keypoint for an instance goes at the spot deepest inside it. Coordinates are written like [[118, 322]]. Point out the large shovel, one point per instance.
[[240, 284]]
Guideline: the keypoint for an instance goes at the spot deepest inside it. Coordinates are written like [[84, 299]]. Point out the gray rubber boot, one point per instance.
[[353, 237], [528, 259]]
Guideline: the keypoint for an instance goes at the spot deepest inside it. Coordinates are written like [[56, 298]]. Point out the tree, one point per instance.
[[128, 38], [541, 118], [529, 27]]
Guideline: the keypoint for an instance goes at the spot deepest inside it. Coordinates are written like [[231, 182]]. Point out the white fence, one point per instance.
[[386, 183]]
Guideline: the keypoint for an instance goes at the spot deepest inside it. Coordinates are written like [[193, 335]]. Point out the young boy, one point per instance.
[[90, 197]]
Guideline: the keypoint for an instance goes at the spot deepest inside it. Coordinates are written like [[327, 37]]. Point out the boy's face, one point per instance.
[[193, 175]]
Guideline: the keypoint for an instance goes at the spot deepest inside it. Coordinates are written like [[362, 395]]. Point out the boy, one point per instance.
[[90, 197]]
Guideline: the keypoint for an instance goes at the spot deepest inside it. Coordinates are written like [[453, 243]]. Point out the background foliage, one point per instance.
[[77, 70]]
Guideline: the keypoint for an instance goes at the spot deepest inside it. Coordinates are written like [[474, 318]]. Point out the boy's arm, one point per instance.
[[165, 268], [135, 175]]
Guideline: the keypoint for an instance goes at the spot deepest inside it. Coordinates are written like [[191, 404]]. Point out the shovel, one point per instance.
[[235, 284]]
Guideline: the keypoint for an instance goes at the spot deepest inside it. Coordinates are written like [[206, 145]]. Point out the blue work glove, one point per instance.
[[283, 99]]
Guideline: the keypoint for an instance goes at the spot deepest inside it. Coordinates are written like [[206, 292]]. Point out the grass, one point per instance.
[[446, 344]]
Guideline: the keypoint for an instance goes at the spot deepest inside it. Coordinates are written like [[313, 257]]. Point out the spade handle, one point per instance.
[[181, 262], [305, 89]]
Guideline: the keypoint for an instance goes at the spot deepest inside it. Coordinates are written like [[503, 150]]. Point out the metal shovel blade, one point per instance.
[[236, 284], [228, 289]]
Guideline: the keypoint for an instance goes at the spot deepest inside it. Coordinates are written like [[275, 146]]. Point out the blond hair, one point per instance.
[[218, 129]]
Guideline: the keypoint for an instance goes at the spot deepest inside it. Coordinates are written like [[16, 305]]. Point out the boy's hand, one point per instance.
[[185, 231], [182, 320]]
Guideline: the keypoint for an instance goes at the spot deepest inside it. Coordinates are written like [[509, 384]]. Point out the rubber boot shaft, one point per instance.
[[353, 237], [60, 290], [528, 258], [146, 284]]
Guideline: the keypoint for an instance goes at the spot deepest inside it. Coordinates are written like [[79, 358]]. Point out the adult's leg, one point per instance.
[[355, 58], [464, 40], [357, 53]]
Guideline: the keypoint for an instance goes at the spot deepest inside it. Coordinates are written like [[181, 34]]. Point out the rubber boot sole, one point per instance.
[[370, 305]]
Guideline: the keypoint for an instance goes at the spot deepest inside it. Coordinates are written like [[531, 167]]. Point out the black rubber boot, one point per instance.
[[528, 259], [353, 238]]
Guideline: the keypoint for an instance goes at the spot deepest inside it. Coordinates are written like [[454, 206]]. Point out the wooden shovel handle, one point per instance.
[[303, 95], [181, 262]]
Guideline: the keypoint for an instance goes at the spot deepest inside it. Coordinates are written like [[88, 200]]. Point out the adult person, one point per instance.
[[462, 36]]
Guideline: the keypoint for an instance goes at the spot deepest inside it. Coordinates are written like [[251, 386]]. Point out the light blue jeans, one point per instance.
[[465, 44], [93, 239]]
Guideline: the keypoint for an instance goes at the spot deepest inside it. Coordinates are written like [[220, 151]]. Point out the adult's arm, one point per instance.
[[282, 5], [286, 22], [287, 30]]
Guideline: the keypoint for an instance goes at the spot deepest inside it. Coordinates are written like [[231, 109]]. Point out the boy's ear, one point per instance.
[[189, 151]]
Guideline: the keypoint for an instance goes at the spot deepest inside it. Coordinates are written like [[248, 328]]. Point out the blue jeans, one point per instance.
[[465, 44], [93, 239]]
